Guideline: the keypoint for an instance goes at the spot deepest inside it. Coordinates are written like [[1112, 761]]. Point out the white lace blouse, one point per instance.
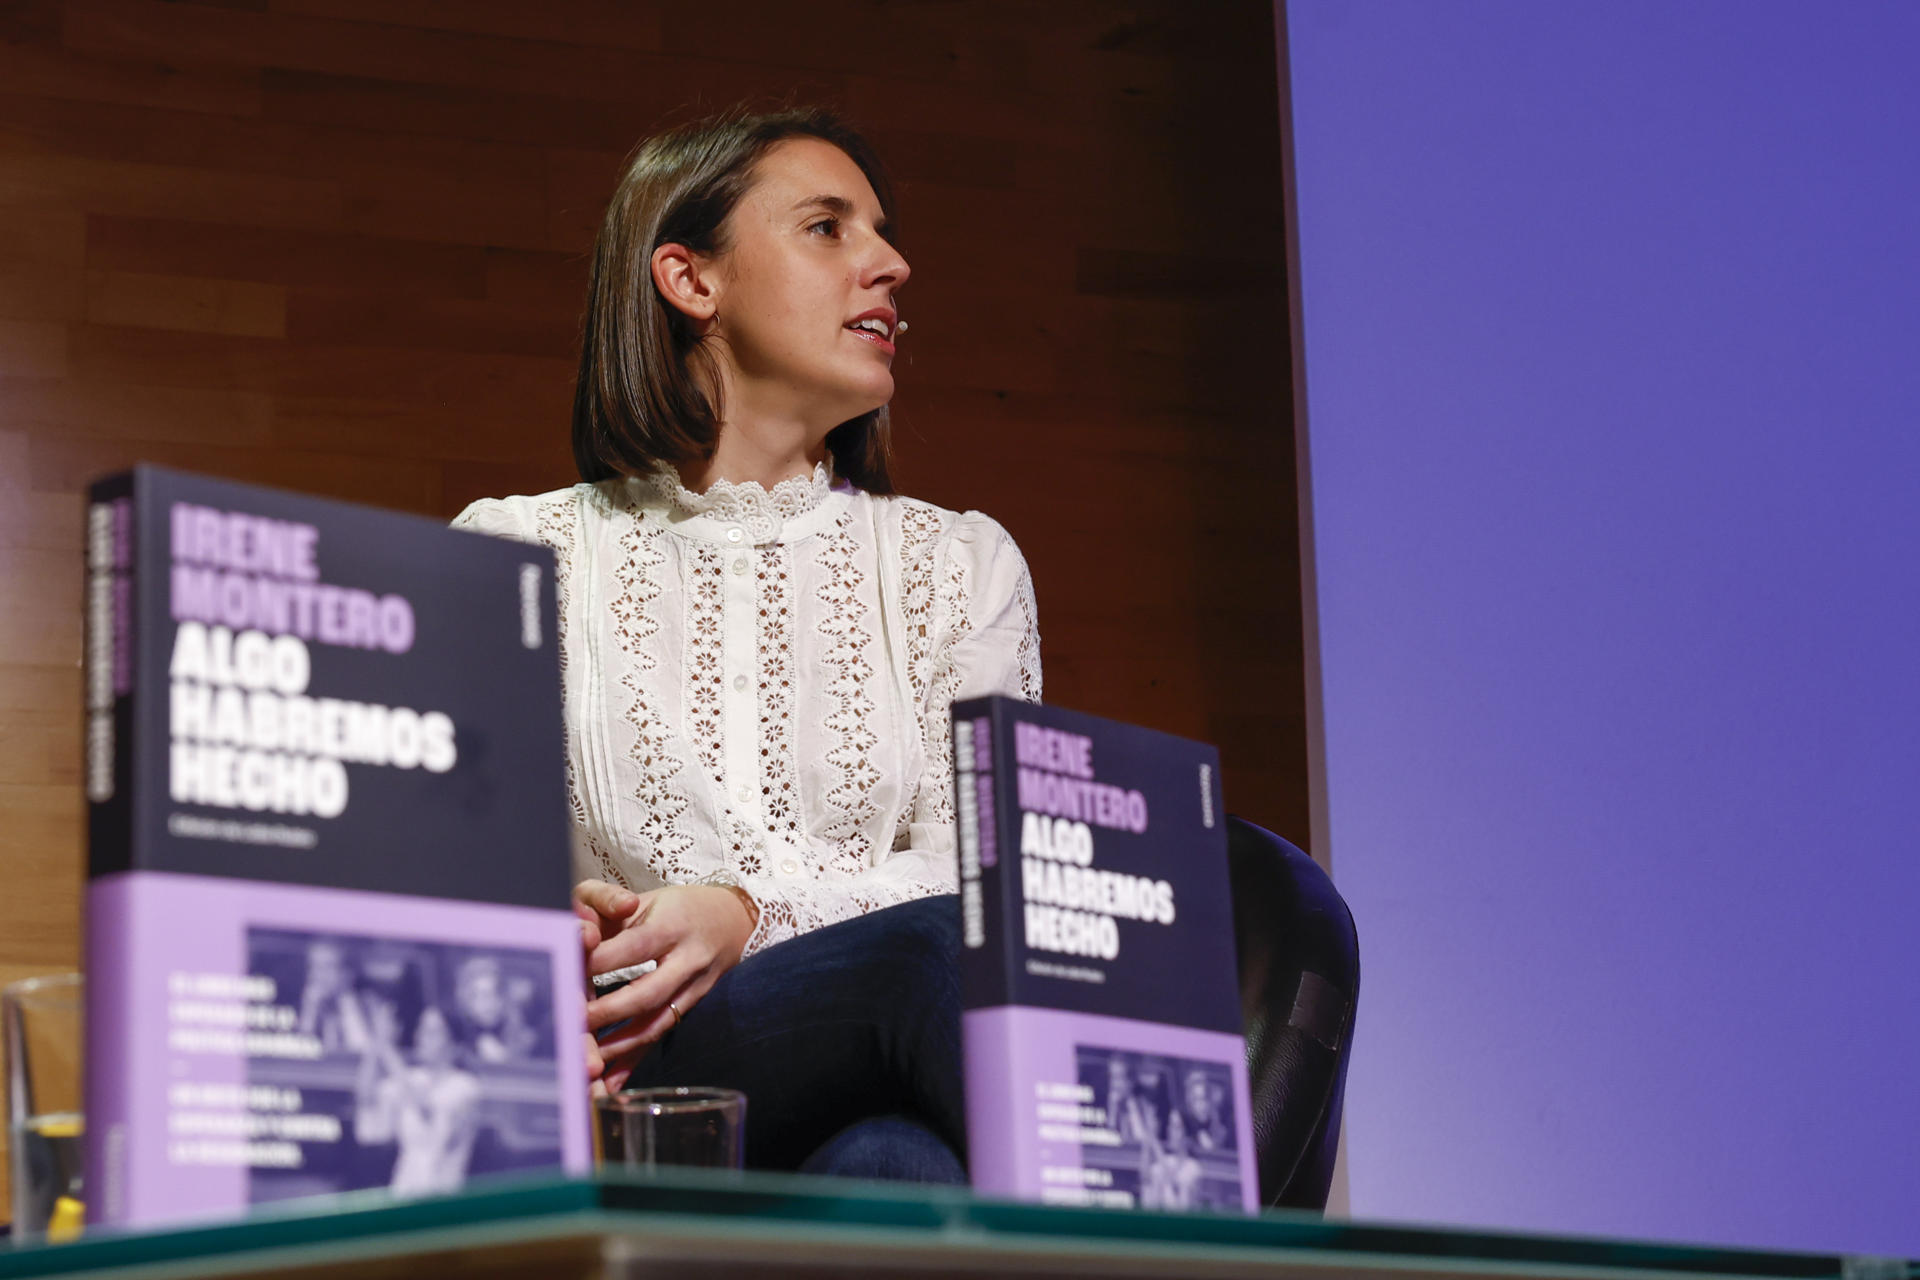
[[757, 684]]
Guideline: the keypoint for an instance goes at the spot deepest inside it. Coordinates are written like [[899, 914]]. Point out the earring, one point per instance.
[[900, 328]]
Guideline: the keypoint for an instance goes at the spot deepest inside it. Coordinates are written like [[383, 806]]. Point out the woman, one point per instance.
[[494, 1011], [428, 1109], [1206, 1120], [761, 642], [1124, 1114], [1169, 1173]]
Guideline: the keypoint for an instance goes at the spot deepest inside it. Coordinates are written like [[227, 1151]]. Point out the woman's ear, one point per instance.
[[685, 279]]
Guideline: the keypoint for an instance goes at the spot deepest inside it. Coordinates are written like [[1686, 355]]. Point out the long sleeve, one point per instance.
[[988, 642], [981, 637]]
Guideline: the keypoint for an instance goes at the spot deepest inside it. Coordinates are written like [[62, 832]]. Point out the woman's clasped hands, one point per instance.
[[694, 933]]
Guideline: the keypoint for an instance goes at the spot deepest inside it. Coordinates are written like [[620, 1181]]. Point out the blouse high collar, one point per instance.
[[791, 509]]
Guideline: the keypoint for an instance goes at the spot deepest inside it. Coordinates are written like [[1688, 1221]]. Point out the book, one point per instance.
[[328, 936], [1105, 1062]]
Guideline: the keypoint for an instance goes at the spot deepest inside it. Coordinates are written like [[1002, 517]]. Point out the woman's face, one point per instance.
[[1199, 1097], [1176, 1131], [326, 968], [432, 1038], [479, 994], [805, 264]]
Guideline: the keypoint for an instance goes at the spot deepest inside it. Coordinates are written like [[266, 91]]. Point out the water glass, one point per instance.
[[41, 1021], [643, 1128]]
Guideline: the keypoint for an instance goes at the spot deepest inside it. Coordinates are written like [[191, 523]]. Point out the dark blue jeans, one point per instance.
[[846, 1041]]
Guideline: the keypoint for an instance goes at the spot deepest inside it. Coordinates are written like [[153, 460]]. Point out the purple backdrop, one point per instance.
[[1609, 319]]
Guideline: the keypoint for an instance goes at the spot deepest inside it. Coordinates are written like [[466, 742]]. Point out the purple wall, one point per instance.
[[1610, 319]]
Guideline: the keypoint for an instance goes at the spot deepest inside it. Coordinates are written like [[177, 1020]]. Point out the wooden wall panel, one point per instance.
[[340, 245]]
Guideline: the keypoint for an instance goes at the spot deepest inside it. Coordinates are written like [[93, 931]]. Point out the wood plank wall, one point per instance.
[[338, 245]]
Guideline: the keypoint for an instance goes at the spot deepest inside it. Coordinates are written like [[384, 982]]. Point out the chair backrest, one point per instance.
[[1299, 984]]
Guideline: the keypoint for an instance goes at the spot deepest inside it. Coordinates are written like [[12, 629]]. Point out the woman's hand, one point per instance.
[[604, 910], [694, 933]]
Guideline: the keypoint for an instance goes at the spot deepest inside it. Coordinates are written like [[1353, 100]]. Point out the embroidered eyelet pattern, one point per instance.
[[779, 789], [951, 591], [843, 622], [557, 527], [705, 722], [660, 800], [745, 849], [920, 528], [1027, 652]]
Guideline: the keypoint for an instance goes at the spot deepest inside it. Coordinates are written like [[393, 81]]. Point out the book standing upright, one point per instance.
[[1105, 1061], [328, 940]]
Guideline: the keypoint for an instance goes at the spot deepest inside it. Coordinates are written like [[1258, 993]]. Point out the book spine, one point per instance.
[[112, 1051], [992, 1074], [111, 637], [986, 950], [966, 808], [108, 735]]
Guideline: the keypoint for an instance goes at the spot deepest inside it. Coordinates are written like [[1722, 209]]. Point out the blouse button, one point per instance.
[[740, 565], [790, 867], [740, 683], [734, 535], [743, 794]]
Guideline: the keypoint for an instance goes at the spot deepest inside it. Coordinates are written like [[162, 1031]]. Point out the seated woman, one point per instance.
[[761, 642]]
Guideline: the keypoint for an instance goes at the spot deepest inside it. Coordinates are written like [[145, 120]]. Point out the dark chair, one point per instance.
[[1299, 983]]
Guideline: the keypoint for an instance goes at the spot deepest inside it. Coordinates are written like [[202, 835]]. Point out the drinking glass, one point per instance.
[[42, 1020], [642, 1128]]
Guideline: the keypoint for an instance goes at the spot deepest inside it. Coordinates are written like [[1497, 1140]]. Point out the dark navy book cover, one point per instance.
[[1104, 1055], [328, 936]]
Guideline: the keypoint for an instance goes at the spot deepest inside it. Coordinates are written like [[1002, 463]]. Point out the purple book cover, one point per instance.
[[329, 945], [1105, 1062]]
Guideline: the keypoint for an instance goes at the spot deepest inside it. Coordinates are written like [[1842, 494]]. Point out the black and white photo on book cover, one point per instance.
[[1164, 1134], [415, 1065]]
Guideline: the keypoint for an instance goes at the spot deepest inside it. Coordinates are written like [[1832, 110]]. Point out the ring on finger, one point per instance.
[[676, 1012]]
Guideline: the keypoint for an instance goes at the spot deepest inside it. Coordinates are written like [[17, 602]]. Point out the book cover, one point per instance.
[[328, 939], [1105, 1061]]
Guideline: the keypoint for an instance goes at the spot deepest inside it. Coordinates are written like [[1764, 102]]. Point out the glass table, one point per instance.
[[692, 1225]]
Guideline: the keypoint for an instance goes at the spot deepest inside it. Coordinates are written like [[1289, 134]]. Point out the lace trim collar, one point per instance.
[[747, 502]]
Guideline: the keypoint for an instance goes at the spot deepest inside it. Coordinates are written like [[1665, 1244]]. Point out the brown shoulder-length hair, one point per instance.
[[638, 405]]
